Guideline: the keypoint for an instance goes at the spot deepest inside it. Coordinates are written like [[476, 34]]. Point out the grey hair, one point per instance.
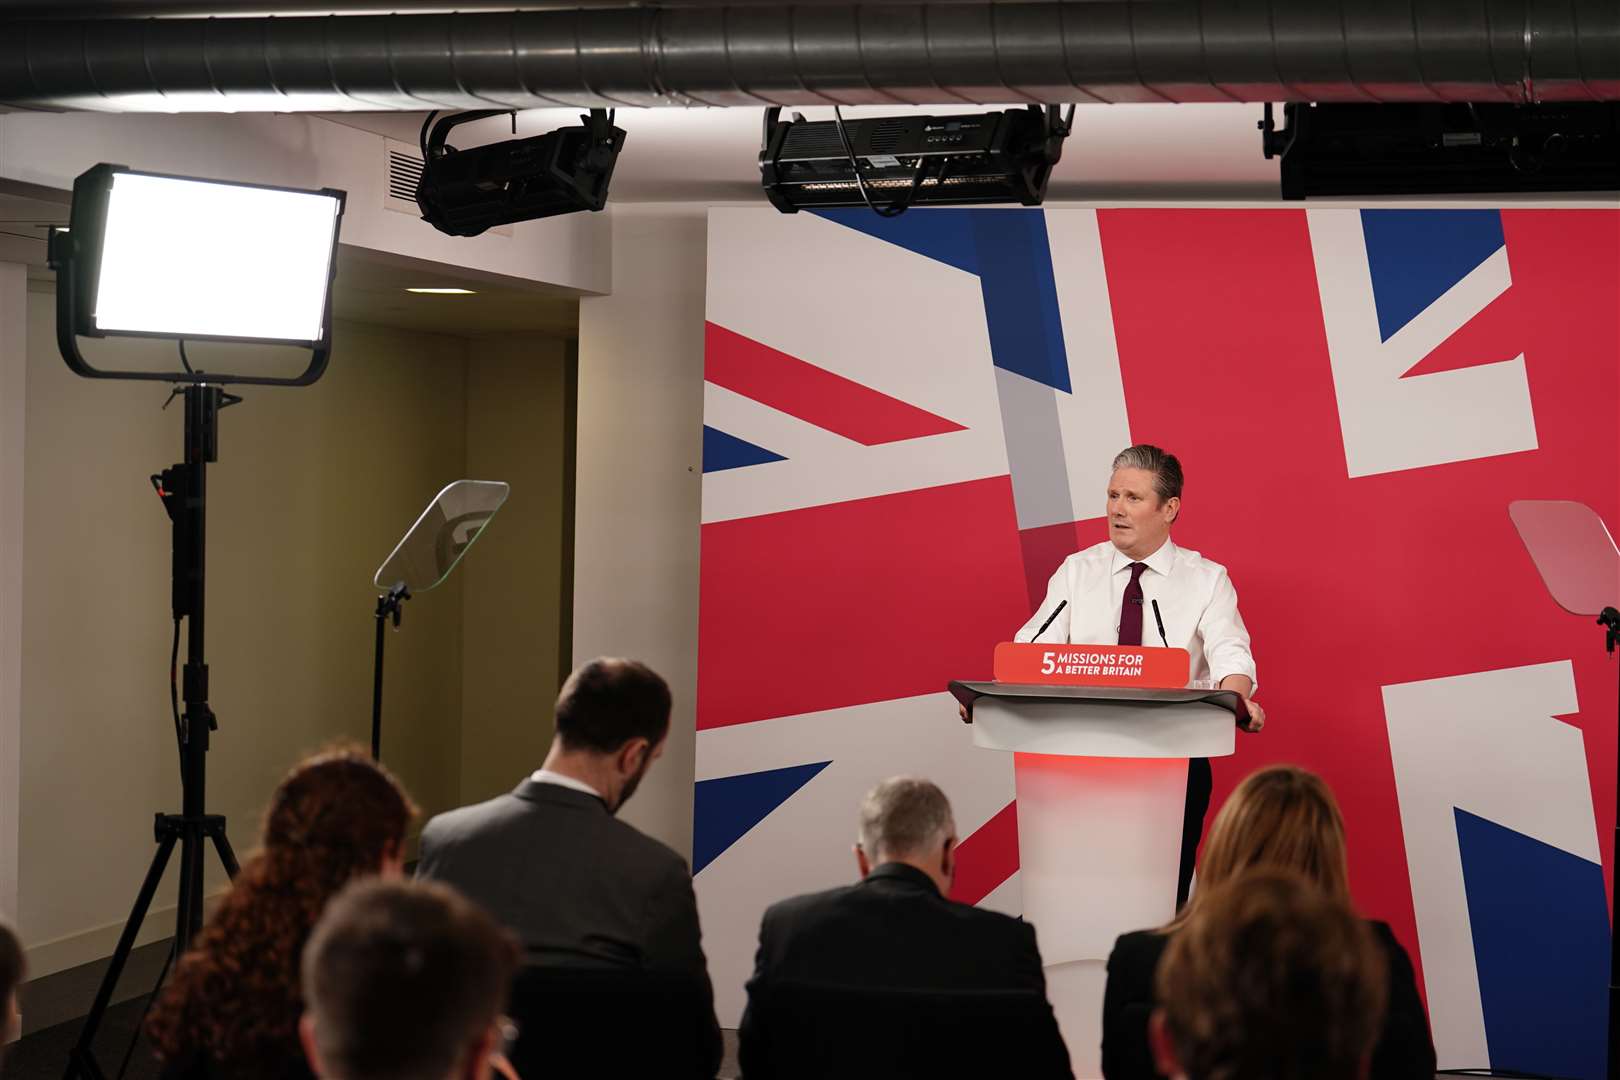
[[1165, 468], [904, 815]]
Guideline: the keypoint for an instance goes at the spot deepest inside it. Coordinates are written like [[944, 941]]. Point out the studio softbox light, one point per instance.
[[150, 255]]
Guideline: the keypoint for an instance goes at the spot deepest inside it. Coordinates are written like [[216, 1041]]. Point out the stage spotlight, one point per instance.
[[148, 255], [891, 163], [1351, 149], [464, 192]]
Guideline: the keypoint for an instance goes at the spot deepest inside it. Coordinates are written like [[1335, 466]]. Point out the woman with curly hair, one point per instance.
[[232, 1007]]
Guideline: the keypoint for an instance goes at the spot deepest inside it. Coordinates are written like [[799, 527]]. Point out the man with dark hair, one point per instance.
[[896, 932], [550, 860], [1270, 977], [1125, 589], [404, 981]]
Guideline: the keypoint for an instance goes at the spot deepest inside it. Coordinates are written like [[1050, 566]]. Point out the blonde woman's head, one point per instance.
[[1281, 817]]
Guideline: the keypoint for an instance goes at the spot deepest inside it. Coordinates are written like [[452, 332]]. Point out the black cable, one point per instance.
[[421, 140], [174, 702], [900, 205], [185, 361]]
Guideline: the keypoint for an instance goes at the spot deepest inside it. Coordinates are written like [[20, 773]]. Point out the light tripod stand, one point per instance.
[[149, 255], [183, 489]]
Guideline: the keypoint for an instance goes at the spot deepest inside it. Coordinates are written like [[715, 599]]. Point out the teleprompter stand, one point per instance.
[[183, 489], [390, 606], [1609, 619]]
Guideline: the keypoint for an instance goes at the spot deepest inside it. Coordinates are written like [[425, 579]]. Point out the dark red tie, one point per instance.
[[1130, 613]]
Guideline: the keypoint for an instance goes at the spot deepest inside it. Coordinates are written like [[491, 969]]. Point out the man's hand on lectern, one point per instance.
[[1257, 715], [1242, 685]]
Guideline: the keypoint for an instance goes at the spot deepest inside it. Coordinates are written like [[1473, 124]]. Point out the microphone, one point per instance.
[[1160, 620], [1061, 605]]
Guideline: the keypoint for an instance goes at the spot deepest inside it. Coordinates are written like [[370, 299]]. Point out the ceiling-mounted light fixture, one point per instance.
[[464, 192], [890, 163], [443, 292]]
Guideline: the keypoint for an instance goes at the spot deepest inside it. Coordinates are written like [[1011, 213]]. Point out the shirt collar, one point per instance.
[[901, 873], [546, 776], [1159, 562]]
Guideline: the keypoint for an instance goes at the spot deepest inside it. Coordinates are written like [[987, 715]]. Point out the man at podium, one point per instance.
[[1138, 588]]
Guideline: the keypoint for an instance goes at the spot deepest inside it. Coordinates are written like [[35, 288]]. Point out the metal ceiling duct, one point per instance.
[[818, 54]]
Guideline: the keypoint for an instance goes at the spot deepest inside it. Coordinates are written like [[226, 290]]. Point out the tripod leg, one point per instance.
[[226, 855], [188, 913], [81, 1061]]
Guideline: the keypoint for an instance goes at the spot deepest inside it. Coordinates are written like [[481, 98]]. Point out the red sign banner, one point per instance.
[[1091, 665]]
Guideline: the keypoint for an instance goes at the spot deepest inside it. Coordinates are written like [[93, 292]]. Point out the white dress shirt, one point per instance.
[[546, 776], [1195, 598]]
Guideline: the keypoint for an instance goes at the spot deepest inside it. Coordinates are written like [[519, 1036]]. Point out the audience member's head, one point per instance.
[[1280, 817], [1270, 979], [908, 820], [336, 817], [404, 981], [13, 970], [612, 719]]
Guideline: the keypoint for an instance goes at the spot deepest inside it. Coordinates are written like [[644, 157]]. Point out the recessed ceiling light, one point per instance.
[[443, 292]]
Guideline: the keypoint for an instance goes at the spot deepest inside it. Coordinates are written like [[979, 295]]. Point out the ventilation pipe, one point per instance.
[[822, 54]]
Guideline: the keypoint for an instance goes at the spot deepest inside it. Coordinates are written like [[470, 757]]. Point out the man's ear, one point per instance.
[[476, 1064], [1173, 504], [306, 1035], [1162, 1047], [862, 862], [632, 754], [947, 858]]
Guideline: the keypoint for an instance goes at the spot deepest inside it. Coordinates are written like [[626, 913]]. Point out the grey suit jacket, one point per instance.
[[578, 886]]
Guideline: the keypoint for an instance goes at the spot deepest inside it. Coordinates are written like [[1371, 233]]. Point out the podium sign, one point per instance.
[[1091, 665]]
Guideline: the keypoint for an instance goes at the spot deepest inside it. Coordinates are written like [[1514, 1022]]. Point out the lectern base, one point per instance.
[[1076, 993], [1099, 849]]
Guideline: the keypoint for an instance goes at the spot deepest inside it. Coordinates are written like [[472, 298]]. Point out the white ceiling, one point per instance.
[[370, 288]]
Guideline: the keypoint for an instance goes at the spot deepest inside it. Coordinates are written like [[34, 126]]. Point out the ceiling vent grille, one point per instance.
[[404, 172]]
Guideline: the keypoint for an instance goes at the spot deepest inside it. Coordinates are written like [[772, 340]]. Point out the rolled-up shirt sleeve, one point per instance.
[[1057, 591], [1226, 639]]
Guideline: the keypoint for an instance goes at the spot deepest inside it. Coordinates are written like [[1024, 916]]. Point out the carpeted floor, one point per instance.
[[45, 1053]]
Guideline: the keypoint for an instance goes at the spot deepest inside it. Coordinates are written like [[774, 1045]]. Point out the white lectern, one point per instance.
[[1101, 778]]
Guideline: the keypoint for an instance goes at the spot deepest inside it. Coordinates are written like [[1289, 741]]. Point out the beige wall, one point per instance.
[[513, 581], [639, 480], [312, 488]]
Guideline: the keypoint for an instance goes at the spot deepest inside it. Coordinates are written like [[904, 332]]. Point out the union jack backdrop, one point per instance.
[[909, 423]]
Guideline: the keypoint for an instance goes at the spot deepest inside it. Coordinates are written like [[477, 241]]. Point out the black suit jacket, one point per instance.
[[892, 931], [1405, 1049], [578, 886]]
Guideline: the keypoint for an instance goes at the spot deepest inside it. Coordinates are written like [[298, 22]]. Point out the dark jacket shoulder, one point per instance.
[[1405, 1050], [1128, 1001], [896, 929]]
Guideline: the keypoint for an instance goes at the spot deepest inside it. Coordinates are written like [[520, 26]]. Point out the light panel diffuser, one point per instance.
[[193, 258]]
